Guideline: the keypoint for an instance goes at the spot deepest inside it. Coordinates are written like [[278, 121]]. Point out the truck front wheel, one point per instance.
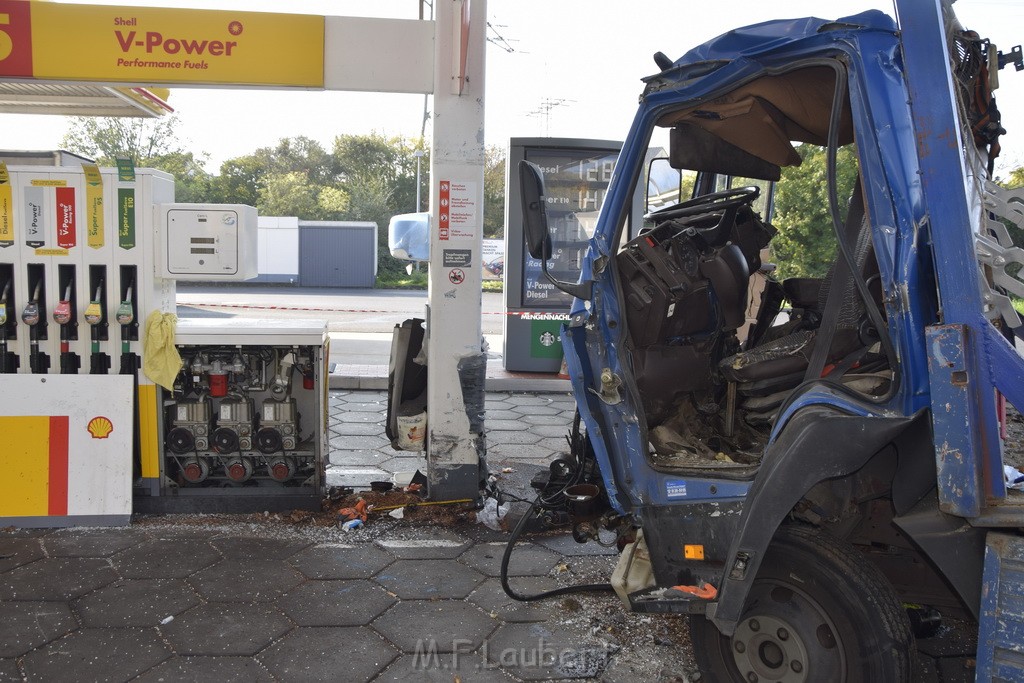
[[817, 611]]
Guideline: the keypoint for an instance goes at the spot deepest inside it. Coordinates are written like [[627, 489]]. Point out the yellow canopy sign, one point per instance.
[[48, 40]]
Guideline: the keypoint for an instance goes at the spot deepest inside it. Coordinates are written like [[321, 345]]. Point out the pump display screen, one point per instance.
[[576, 182]]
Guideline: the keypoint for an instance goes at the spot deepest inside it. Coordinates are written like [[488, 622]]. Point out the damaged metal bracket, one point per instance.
[[610, 383]]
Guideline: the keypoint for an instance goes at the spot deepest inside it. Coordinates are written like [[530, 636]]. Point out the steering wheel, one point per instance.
[[716, 201]]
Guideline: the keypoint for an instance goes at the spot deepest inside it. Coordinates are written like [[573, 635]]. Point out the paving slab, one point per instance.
[[340, 428], [91, 542], [564, 545], [440, 545], [500, 414], [96, 654], [166, 558], [358, 477], [491, 598], [56, 578], [341, 561], [9, 671], [335, 603], [249, 580], [429, 579], [442, 668], [560, 419], [521, 436], [207, 669], [516, 452], [355, 443], [527, 559], [25, 625], [18, 550], [136, 602], [418, 626], [328, 654], [536, 652], [247, 547], [366, 457], [226, 629]]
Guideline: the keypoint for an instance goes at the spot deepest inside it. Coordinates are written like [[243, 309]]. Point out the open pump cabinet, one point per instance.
[[784, 444]]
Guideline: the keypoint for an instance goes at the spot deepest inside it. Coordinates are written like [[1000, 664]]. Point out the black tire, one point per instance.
[[818, 611]]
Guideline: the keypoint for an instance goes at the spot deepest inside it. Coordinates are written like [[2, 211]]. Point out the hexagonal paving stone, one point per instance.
[[429, 579], [328, 654], [166, 558], [500, 414], [91, 542], [564, 545], [554, 431], [527, 400], [355, 443], [136, 602], [246, 580], [248, 547], [357, 428], [541, 652], [366, 406], [496, 424], [559, 420], [219, 629], [342, 415], [56, 578], [435, 626], [442, 668], [527, 559], [335, 603], [358, 477], [491, 598], [97, 654], [513, 452], [434, 545], [509, 437], [205, 669], [27, 625], [18, 550], [361, 458], [9, 671], [341, 561]]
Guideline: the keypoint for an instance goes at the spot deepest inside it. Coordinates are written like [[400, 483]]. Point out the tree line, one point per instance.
[[373, 177], [360, 178]]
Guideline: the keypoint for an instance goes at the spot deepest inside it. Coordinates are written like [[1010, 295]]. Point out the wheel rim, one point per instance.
[[786, 636]]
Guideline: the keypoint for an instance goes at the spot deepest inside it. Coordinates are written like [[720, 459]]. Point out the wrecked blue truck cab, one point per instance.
[[768, 449]]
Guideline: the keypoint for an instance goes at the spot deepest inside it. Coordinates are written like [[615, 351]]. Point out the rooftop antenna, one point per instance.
[[544, 111]]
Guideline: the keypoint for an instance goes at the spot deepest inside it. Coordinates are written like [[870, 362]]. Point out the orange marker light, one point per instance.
[[693, 552]]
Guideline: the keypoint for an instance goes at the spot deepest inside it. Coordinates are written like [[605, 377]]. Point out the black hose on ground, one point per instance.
[[510, 592]]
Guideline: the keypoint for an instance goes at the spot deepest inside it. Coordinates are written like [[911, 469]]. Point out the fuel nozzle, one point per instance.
[[62, 311], [3, 303], [94, 311], [30, 314], [126, 312]]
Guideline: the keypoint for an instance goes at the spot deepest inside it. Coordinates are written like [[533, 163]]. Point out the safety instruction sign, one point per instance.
[[49, 40]]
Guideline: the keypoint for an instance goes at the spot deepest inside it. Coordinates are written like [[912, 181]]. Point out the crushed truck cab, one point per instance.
[[789, 460]]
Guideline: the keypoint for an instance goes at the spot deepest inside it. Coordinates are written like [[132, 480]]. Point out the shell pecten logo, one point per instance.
[[100, 427]]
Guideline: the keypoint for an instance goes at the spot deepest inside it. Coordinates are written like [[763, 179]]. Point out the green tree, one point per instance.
[[806, 243], [494, 192], [149, 143]]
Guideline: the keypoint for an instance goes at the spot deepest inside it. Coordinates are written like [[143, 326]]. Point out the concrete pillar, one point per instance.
[[456, 362]]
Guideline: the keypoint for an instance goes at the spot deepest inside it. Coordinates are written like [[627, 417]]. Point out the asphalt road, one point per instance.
[[360, 321]]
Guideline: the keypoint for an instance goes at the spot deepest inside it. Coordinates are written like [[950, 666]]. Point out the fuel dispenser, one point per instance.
[[87, 256]]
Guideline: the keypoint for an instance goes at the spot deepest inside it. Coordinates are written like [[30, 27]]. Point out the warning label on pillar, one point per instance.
[[444, 214], [35, 217], [66, 231], [6, 208], [464, 214]]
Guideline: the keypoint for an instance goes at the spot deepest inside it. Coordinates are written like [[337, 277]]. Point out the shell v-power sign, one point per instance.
[[144, 45]]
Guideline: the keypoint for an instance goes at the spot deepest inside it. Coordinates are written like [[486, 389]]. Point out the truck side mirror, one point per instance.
[[535, 216], [535, 220]]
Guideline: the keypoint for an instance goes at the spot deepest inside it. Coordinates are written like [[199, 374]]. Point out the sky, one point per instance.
[[562, 68]]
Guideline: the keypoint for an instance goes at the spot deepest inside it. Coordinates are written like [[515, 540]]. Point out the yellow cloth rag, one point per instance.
[[160, 359]]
